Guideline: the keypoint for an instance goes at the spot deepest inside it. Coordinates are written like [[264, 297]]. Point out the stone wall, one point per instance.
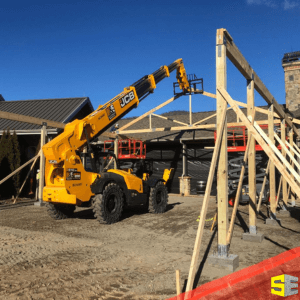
[[292, 85]]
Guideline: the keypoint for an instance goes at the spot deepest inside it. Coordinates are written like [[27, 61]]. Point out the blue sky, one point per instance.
[[61, 49]]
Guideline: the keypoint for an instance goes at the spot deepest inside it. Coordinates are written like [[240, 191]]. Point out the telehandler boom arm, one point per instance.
[[63, 165]]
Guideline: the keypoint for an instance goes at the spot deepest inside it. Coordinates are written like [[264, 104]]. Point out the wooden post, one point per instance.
[[251, 161], [150, 121], [291, 140], [42, 163], [190, 100], [272, 179], [263, 187], [283, 182], [184, 160], [222, 172], [178, 288], [116, 150], [196, 252]]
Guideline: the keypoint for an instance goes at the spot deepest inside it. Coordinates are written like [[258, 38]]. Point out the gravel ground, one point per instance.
[[136, 258]]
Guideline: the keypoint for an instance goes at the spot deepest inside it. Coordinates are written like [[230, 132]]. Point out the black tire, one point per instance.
[[158, 198], [60, 211], [108, 207]]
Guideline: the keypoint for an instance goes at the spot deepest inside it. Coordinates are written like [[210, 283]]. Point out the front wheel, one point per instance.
[[158, 198], [60, 211], [108, 207]]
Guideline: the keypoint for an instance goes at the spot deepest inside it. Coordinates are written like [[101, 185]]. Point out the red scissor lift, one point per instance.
[[128, 149]]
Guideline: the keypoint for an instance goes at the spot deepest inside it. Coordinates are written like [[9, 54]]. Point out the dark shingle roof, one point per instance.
[[60, 110], [183, 117]]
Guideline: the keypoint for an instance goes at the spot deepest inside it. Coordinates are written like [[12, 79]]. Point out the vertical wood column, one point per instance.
[[42, 163], [222, 172], [190, 109], [272, 167], [116, 149], [284, 184], [251, 161], [291, 141], [184, 160]]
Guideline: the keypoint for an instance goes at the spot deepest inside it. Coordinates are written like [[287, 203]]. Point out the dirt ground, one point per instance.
[[79, 258]]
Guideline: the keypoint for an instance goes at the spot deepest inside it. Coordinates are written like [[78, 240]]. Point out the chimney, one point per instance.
[[291, 66]]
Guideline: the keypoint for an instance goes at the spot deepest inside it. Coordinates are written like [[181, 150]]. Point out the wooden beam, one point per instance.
[[251, 161], [178, 286], [197, 127], [209, 95], [20, 190], [42, 164], [196, 252], [296, 147], [30, 120], [272, 179], [265, 145], [169, 119], [278, 191], [284, 184], [222, 172], [263, 187], [148, 113], [291, 140], [291, 156], [277, 152], [19, 169], [205, 119], [292, 148], [236, 57]]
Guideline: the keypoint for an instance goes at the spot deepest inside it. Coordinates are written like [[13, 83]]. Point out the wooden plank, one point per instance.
[[148, 113], [263, 187], [272, 180], [291, 140], [251, 161], [209, 95], [266, 147], [291, 156], [296, 147], [222, 172], [278, 191], [20, 190], [19, 169], [42, 164], [169, 119], [284, 184], [178, 286], [292, 149], [196, 252], [30, 120], [277, 152], [190, 108], [197, 127], [236, 57], [205, 119]]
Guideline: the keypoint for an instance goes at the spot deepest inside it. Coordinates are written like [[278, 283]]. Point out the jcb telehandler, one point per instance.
[[68, 184]]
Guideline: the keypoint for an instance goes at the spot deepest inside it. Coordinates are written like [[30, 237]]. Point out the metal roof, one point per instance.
[[60, 110]]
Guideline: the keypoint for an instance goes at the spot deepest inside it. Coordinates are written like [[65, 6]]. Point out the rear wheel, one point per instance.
[[108, 207], [60, 211], [158, 199]]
